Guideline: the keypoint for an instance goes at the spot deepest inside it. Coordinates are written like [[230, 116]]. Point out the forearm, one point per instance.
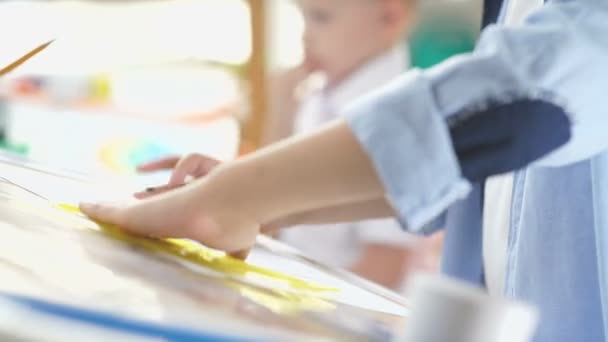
[[324, 169], [357, 211]]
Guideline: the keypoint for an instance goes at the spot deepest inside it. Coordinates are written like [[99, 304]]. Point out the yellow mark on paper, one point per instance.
[[202, 256], [279, 298]]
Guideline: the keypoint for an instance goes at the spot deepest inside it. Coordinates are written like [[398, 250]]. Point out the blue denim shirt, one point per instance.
[[558, 240]]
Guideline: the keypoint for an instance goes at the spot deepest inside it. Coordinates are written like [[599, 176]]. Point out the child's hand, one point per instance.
[[225, 209], [288, 80], [193, 165], [205, 210]]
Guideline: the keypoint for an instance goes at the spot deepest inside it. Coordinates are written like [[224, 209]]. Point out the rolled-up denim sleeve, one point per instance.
[[409, 144], [558, 56]]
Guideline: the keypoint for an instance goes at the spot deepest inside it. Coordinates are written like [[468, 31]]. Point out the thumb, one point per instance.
[[140, 220], [104, 212]]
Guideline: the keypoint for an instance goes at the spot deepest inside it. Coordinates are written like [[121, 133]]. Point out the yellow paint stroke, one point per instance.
[[277, 300], [202, 256], [285, 303]]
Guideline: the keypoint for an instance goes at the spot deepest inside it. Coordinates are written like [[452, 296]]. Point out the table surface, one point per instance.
[[46, 255]]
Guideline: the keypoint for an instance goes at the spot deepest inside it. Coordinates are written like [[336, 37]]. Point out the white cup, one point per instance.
[[446, 310]]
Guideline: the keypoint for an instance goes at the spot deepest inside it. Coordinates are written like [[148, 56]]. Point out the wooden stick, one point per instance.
[[23, 59], [252, 132]]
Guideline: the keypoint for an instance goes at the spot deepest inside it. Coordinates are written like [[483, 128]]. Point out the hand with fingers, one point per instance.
[[184, 168], [203, 211], [226, 207]]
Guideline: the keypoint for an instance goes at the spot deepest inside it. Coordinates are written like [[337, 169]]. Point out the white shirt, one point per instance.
[[499, 190], [341, 244]]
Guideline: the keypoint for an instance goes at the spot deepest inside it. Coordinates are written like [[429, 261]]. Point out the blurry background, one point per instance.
[[128, 81]]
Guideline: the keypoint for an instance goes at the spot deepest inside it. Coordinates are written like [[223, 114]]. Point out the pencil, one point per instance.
[[24, 58]]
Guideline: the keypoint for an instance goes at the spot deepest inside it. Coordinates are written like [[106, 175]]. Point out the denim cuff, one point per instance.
[[409, 144]]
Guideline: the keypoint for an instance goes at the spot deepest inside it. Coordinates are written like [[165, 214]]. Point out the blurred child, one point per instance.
[[351, 47]]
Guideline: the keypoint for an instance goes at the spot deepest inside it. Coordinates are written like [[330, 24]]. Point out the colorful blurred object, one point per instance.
[[439, 40], [107, 142], [445, 28], [21, 149], [122, 156]]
